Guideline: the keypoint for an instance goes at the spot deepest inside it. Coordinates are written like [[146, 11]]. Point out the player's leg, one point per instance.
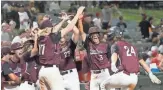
[[75, 85], [52, 78], [26, 86], [56, 80], [93, 82], [116, 81]]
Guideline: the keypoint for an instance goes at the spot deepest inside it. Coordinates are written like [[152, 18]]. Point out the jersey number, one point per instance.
[[129, 51], [101, 58], [41, 49], [67, 54]]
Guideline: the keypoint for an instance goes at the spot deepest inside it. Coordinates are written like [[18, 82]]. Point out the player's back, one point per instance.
[[128, 56], [48, 51]]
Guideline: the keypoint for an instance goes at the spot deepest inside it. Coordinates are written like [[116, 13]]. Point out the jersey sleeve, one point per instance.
[[55, 37], [6, 69], [114, 49]]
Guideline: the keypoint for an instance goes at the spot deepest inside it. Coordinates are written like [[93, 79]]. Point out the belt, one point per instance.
[[98, 71], [48, 65], [66, 72], [31, 83], [128, 73]]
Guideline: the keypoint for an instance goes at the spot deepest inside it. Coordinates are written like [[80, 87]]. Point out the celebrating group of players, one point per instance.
[[48, 61]]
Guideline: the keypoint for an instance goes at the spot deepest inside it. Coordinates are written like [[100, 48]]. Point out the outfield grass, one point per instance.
[[134, 14]]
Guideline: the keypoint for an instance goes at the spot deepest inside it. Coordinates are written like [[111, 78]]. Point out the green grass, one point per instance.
[[134, 15]]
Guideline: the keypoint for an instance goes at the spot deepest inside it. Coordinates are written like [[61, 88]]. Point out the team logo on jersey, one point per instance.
[[95, 52]]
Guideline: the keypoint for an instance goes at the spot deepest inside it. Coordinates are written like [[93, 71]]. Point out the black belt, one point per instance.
[[66, 72], [98, 71], [31, 83], [48, 65]]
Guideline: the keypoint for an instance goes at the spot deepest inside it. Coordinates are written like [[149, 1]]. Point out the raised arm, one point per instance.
[[73, 22], [58, 26], [83, 34], [75, 35], [34, 51]]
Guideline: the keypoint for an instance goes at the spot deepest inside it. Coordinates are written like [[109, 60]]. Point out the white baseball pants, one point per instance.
[[119, 80], [97, 79], [71, 80], [26, 86], [51, 78]]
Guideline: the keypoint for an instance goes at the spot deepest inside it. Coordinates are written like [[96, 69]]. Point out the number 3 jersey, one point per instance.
[[67, 56], [96, 56], [49, 52], [128, 56]]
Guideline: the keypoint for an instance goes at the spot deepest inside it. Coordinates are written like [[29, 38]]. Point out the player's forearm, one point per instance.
[[35, 48], [114, 58], [80, 25], [75, 36], [145, 66], [71, 25], [58, 26]]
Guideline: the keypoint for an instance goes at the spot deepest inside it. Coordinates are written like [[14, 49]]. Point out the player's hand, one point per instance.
[[154, 79], [65, 16], [81, 16], [80, 10], [113, 67]]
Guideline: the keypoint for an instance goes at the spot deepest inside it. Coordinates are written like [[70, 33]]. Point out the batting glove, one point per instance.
[[154, 79], [113, 67]]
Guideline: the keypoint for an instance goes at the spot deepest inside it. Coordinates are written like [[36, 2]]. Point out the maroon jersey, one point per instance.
[[97, 57], [49, 52], [15, 66], [67, 57], [128, 56], [30, 68]]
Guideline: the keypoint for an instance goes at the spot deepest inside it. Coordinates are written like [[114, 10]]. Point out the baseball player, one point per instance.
[[30, 66], [67, 64], [49, 54], [8, 77], [97, 60], [14, 63], [125, 76]]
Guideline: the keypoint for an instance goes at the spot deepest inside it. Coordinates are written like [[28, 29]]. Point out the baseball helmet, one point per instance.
[[93, 30], [110, 36], [118, 33], [16, 46]]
